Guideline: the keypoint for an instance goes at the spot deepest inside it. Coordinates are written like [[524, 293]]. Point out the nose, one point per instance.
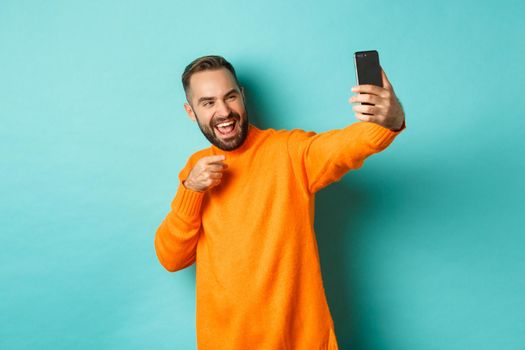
[[223, 109]]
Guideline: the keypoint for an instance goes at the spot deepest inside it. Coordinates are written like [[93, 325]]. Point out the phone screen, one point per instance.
[[367, 68]]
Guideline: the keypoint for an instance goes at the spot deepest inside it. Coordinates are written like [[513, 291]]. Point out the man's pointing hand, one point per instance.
[[206, 173]]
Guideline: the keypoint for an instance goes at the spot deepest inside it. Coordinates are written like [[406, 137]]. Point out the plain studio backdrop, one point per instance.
[[422, 248]]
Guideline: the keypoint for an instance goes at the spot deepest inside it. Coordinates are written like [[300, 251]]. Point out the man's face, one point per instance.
[[217, 104]]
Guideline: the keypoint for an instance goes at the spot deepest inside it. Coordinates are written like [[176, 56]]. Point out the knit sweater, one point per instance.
[[258, 276]]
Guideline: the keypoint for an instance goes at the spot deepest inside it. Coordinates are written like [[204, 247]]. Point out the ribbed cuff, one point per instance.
[[381, 137], [187, 202], [402, 127]]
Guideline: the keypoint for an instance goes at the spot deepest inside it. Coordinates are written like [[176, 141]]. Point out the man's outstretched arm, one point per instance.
[[320, 159]]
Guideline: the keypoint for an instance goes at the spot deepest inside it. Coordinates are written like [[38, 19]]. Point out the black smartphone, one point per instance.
[[367, 68]]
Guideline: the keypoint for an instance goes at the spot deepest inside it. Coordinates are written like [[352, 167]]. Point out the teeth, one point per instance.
[[222, 125]]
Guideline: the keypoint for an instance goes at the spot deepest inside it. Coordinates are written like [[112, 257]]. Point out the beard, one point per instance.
[[226, 144]]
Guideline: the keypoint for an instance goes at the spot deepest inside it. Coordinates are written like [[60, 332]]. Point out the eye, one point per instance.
[[207, 104], [232, 97]]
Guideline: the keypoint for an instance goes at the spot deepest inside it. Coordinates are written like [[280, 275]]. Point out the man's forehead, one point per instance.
[[212, 82]]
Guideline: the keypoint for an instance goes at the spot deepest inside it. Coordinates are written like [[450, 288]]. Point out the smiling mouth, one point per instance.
[[226, 128]]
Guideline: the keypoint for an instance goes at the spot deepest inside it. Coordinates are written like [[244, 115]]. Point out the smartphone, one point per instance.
[[367, 69]]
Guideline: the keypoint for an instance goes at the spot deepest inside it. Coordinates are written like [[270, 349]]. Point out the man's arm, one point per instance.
[[320, 159], [177, 236]]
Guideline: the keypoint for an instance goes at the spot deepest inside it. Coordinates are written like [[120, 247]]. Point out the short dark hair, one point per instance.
[[211, 62]]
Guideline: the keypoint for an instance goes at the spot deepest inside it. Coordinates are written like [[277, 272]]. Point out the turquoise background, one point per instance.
[[422, 248]]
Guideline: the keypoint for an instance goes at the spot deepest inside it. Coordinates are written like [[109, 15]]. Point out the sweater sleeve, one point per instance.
[[323, 158], [177, 236]]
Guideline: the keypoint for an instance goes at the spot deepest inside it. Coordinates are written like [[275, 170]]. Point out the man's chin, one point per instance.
[[228, 146]]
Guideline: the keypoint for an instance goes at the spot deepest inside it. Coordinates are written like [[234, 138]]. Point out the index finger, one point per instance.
[[369, 89], [386, 82], [213, 159]]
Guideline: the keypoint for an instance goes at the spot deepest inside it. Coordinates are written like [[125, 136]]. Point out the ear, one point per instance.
[[189, 111]]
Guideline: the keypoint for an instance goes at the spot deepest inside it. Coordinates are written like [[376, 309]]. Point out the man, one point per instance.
[[244, 213]]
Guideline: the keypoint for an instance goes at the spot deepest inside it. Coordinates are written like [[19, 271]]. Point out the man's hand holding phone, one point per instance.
[[384, 108]]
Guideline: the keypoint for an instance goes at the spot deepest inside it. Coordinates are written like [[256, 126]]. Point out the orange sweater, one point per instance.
[[259, 283]]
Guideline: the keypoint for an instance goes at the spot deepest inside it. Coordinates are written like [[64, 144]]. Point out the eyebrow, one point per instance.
[[213, 98]]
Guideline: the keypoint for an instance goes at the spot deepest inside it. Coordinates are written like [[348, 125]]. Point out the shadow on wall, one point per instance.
[[340, 218], [255, 107]]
